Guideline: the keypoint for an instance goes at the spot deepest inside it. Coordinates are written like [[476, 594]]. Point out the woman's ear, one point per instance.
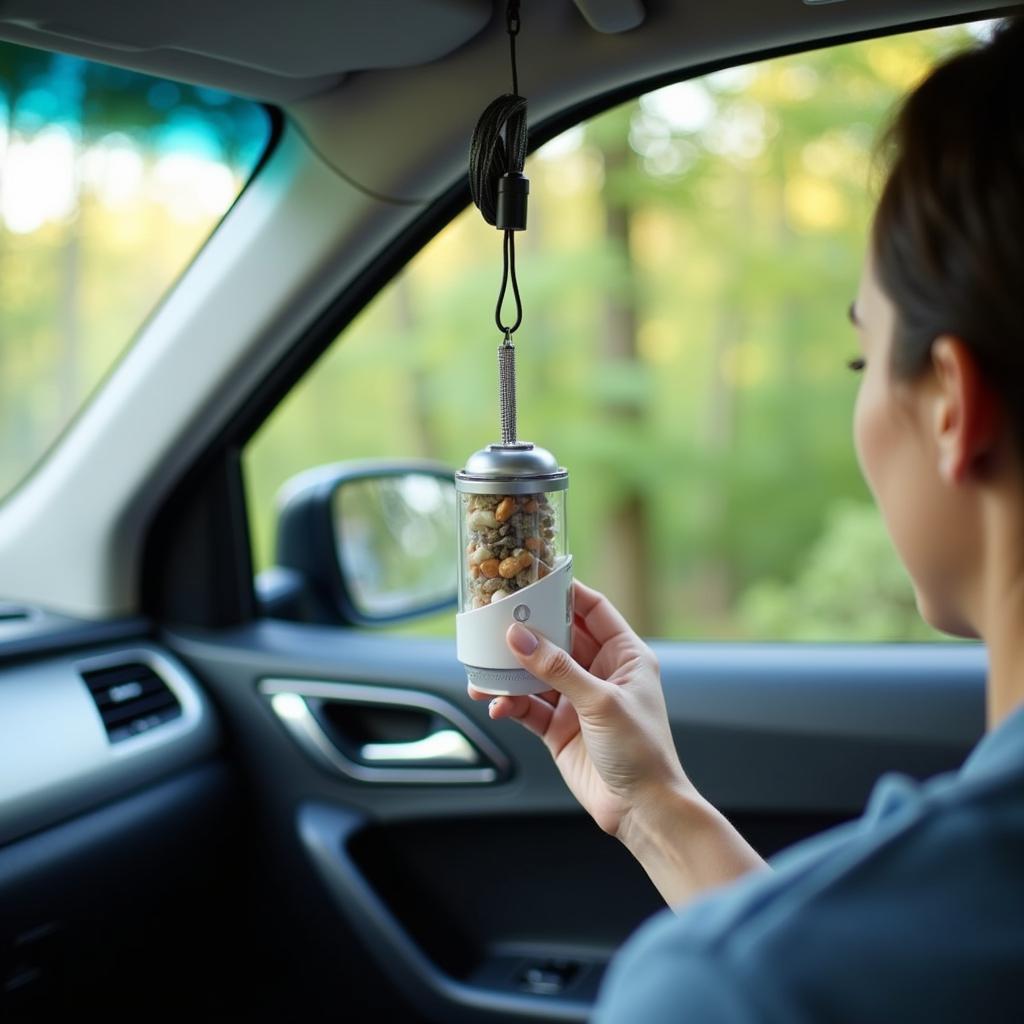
[[967, 418]]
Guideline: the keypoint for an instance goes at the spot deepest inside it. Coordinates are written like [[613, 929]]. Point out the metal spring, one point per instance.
[[507, 389]]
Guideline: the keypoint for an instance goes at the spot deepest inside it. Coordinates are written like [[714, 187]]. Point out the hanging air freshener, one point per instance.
[[515, 564]]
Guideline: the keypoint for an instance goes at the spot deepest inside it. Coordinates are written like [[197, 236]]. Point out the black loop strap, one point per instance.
[[509, 270], [492, 156]]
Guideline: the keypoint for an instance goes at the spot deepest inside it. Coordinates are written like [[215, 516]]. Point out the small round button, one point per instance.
[[520, 613]]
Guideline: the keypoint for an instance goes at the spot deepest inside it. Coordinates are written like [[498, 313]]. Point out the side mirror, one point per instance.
[[365, 542]]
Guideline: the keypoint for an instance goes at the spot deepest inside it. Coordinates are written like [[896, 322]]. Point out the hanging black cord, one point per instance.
[[508, 250], [490, 157], [496, 181], [512, 23]]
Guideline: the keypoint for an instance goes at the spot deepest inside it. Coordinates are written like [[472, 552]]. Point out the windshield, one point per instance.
[[110, 181]]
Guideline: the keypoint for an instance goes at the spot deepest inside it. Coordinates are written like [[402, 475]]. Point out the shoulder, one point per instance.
[[883, 897], [659, 984]]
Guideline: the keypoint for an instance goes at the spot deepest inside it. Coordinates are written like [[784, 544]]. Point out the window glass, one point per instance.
[[690, 259], [109, 183]]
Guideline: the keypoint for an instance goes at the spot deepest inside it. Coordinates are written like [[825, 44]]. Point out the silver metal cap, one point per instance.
[[522, 467]]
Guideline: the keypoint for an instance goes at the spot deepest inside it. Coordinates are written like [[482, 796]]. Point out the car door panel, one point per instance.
[[504, 901]]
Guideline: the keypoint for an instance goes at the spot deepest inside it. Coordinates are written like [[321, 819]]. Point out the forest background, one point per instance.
[[686, 272]]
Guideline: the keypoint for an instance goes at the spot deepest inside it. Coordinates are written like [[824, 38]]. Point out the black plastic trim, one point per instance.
[[197, 558], [325, 831], [98, 908], [53, 634], [149, 811], [308, 531]]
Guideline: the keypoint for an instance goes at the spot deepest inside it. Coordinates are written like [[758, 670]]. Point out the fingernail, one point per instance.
[[492, 705], [522, 639]]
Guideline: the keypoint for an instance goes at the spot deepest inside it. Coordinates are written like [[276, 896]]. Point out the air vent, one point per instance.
[[12, 612], [131, 698]]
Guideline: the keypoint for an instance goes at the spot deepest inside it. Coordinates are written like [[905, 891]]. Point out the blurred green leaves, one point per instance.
[[685, 278], [848, 584]]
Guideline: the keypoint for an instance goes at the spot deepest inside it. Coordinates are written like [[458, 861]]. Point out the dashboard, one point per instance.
[[84, 728], [119, 813]]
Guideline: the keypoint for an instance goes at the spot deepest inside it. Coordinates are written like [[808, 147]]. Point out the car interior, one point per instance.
[[226, 789]]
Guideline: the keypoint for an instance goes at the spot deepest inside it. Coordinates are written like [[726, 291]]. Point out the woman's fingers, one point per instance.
[[584, 646], [579, 621], [602, 619], [530, 710], [551, 664]]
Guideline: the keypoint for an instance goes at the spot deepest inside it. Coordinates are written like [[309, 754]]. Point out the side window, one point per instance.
[[110, 181], [686, 274]]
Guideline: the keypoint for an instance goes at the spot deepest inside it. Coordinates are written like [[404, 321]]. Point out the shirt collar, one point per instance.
[[998, 751]]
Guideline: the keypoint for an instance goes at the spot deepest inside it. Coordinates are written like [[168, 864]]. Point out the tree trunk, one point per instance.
[[422, 421], [626, 546], [714, 584]]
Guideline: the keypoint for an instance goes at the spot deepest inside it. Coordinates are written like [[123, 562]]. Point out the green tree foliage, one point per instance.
[[686, 272], [850, 585]]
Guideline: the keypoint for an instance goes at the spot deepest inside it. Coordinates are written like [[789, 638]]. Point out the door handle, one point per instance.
[[458, 752], [439, 747]]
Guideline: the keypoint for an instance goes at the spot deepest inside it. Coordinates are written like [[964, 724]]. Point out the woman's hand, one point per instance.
[[605, 722], [604, 719]]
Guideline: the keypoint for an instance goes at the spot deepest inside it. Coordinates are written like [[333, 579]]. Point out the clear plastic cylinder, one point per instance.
[[507, 542]]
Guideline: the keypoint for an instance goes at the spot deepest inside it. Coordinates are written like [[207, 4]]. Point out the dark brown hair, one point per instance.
[[948, 233]]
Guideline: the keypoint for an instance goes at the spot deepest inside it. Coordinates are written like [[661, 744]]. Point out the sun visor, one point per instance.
[[612, 16], [264, 49]]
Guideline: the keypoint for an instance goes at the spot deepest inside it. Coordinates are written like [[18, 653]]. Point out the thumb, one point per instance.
[[552, 665]]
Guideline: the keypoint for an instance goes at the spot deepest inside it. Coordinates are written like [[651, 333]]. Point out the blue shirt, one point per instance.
[[913, 912]]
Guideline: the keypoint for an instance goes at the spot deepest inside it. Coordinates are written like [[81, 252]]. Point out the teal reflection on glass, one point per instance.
[[110, 182]]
